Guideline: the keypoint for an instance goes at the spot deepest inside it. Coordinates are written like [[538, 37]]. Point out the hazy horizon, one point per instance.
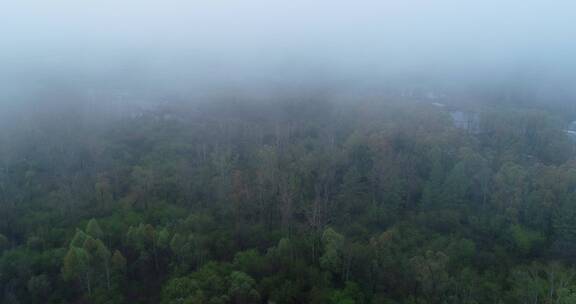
[[253, 36], [153, 49]]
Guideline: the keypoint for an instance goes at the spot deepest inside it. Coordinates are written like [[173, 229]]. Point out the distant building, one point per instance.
[[433, 95], [571, 130], [468, 121], [422, 94]]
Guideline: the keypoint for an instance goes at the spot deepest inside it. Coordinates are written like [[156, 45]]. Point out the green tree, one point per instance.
[[242, 289], [39, 287], [93, 229], [77, 267], [4, 243], [351, 294], [431, 272], [539, 283], [332, 257]]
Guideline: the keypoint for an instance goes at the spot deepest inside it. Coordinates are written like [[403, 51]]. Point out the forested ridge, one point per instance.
[[299, 201]]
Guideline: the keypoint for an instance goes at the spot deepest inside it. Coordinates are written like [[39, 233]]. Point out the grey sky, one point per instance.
[[244, 37], [417, 30]]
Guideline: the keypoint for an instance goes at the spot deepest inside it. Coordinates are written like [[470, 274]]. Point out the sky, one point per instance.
[[273, 26], [207, 41]]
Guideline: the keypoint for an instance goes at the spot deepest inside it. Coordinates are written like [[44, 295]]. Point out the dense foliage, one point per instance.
[[290, 202]]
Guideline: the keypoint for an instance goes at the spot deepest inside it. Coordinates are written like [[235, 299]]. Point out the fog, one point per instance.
[[103, 50], [287, 151]]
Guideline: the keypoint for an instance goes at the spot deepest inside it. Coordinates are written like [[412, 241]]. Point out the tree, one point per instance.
[[77, 267], [187, 250], [524, 240], [103, 190], [539, 283], [143, 183], [351, 294], [242, 289], [91, 263], [210, 284], [78, 239], [144, 239], [182, 290], [93, 229], [287, 188], [432, 194], [4, 243], [118, 262], [250, 262], [99, 259], [431, 273], [39, 287], [510, 190], [332, 258]]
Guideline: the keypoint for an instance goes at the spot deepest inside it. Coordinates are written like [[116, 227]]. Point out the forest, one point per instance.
[[287, 152], [299, 200]]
